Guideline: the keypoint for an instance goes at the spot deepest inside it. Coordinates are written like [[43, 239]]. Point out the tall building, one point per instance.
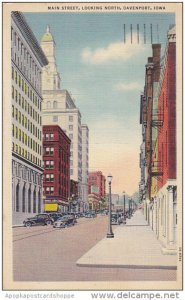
[[27, 60], [85, 163], [166, 197], [59, 108], [158, 186], [56, 159]]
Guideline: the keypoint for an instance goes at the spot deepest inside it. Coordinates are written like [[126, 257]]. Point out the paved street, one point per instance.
[[48, 254]]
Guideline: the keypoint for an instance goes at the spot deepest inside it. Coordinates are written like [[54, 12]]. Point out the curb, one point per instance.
[[126, 266]]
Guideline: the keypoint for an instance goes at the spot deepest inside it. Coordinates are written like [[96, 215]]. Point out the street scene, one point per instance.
[[57, 251], [96, 147]]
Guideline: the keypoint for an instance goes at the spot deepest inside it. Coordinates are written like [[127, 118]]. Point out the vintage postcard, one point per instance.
[[92, 146]]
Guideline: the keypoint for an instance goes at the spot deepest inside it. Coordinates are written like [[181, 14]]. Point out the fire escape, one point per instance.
[[157, 118], [156, 168]]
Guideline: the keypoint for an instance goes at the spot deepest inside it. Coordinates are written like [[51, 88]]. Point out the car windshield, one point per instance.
[[62, 218]]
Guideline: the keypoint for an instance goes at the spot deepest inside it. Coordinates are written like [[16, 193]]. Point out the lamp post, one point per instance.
[[129, 208], [110, 234], [124, 207]]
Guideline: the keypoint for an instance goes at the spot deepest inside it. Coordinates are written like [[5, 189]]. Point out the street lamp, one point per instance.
[[110, 234], [124, 207], [129, 208]]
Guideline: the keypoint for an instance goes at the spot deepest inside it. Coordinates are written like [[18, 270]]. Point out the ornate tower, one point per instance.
[[50, 78]]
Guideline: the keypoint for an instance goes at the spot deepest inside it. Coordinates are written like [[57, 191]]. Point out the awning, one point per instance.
[[51, 207]]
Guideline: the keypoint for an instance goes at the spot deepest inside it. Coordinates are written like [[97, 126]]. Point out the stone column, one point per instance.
[[170, 189]]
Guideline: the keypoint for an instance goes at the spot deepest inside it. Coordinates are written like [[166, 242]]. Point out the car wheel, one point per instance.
[[48, 222], [28, 224]]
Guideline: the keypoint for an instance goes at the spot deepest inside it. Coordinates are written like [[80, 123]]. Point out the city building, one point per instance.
[[158, 156], [56, 160], [97, 184], [27, 61], [115, 199], [94, 202], [85, 164], [59, 108], [166, 197], [73, 201]]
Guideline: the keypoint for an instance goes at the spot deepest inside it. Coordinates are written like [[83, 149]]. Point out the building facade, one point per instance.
[[85, 164], [158, 186], [59, 108], [27, 61], [56, 160], [97, 184]]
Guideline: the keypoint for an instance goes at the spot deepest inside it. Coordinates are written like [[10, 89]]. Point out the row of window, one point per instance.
[[26, 89], [49, 190], [22, 119], [25, 139], [26, 106], [24, 60], [26, 154], [48, 136]]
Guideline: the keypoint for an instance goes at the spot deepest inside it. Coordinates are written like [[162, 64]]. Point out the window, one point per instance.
[[55, 118], [70, 127], [71, 171], [22, 102], [19, 81], [16, 132], [47, 177], [19, 99], [12, 73], [12, 129], [49, 151], [48, 104], [51, 136], [47, 136], [12, 92], [49, 164], [71, 136], [12, 111], [16, 114], [19, 117], [71, 118], [55, 104]]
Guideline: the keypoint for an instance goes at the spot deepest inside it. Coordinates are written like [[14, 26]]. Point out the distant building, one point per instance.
[[73, 195], [27, 61], [60, 109], [97, 184], [94, 202], [56, 159], [115, 199], [85, 164]]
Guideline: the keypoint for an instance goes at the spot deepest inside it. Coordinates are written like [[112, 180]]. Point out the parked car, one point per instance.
[[55, 216], [65, 221], [104, 212], [116, 219], [90, 214], [40, 219]]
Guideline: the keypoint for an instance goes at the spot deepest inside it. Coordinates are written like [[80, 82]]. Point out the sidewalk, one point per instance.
[[134, 246]]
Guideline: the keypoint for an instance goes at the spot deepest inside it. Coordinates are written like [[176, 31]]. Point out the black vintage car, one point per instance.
[[40, 219], [116, 218]]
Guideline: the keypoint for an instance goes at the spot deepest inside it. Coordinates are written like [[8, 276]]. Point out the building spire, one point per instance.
[[48, 29]]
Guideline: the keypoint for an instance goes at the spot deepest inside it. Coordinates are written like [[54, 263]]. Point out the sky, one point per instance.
[[105, 76]]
